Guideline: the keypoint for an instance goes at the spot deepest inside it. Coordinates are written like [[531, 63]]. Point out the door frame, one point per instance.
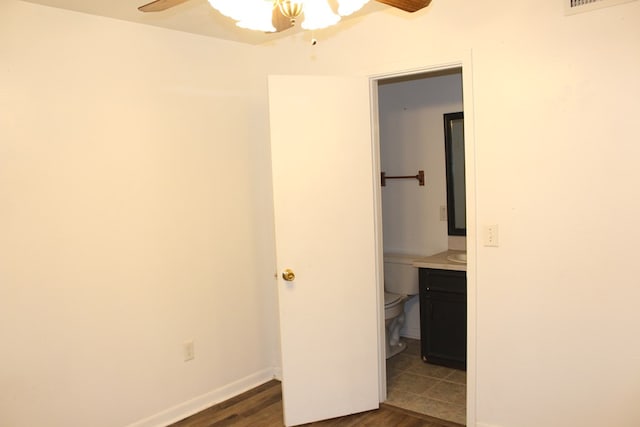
[[456, 60]]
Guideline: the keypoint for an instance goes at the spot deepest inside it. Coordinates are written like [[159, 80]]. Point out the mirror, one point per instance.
[[454, 154]]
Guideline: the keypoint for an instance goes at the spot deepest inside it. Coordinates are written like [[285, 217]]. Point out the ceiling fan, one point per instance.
[[285, 12]]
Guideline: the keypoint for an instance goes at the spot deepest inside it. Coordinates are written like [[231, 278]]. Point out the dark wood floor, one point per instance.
[[262, 407]]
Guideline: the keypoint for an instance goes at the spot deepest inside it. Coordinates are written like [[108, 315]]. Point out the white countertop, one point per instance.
[[441, 262]]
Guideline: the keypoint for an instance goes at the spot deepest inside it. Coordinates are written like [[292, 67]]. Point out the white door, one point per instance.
[[324, 218]]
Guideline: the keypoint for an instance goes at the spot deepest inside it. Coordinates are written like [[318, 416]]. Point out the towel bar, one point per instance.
[[419, 177]]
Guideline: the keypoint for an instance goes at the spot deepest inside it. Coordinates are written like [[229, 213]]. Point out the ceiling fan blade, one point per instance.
[[279, 21], [407, 5], [160, 5]]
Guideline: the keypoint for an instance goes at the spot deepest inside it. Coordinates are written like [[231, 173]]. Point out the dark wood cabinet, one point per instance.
[[443, 317]]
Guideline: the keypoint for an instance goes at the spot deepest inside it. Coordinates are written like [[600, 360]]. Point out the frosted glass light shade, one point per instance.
[[318, 14], [347, 7], [250, 14], [261, 17], [232, 9]]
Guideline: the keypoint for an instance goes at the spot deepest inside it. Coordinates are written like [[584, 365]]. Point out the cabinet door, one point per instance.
[[443, 312]]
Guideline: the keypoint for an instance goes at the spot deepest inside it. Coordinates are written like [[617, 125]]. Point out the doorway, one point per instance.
[[410, 109], [336, 206]]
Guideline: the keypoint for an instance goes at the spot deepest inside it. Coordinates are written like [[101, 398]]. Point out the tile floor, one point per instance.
[[434, 390]]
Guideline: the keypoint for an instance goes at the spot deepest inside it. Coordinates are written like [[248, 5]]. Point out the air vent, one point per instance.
[[577, 6]]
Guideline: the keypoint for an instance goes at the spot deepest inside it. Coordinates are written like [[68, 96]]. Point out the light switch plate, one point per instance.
[[443, 213]]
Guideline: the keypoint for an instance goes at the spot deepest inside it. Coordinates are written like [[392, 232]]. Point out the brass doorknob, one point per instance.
[[288, 275]]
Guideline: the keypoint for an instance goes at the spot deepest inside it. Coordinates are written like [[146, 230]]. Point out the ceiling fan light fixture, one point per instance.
[[272, 15], [254, 14]]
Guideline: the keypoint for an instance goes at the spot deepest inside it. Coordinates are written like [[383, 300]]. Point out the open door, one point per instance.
[[323, 183]]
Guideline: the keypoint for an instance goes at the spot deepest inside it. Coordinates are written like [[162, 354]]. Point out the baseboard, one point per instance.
[[207, 400], [277, 373], [413, 333]]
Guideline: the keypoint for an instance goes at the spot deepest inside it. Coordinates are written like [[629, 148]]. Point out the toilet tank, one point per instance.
[[400, 276]]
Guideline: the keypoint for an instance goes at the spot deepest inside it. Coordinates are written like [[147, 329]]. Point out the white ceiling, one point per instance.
[[194, 16]]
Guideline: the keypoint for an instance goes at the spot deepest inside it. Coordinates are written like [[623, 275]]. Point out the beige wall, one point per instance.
[[556, 165], [134, 215]]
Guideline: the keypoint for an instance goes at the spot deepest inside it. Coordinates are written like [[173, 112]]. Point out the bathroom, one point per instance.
[[412, 139]]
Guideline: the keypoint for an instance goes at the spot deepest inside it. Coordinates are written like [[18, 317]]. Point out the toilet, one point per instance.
[[400, 283]]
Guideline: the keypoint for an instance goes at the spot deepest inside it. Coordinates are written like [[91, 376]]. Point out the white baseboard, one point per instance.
[[413, 333], [277, 373], [193, 406]]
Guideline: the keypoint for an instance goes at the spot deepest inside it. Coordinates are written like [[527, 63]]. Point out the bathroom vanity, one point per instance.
[[443, 309]]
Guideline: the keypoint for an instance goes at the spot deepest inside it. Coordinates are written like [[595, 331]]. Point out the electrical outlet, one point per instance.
[[188, 351], [443, 213], [491, 235]]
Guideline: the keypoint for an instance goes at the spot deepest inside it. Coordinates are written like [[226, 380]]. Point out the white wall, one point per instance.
[[133, 173], [412, 139], [556, 165]]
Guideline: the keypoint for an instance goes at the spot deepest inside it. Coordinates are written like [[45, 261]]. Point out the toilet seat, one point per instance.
[[393, 305], [391, 299]]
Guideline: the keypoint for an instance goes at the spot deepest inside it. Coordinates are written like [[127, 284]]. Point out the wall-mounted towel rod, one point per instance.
[[419, 177]]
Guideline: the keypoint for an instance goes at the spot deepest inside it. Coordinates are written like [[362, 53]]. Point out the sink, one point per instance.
[[458, 257]]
